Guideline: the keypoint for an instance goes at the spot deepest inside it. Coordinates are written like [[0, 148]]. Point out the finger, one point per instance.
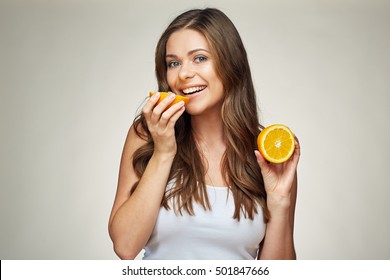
[[297, 145], [176, 116], [297, 150], [292, 163], [170, 115], [263, 163], [159, 109], [150, 104]]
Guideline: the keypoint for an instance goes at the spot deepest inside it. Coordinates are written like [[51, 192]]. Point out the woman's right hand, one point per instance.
[[161, 122]]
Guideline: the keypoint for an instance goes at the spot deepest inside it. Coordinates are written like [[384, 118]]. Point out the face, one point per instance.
[[191, 71]]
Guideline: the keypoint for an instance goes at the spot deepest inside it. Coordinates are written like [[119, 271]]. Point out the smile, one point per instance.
[[193, 90]]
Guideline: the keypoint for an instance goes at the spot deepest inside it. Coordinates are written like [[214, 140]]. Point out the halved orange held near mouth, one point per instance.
[[177, 99], [276, 143]]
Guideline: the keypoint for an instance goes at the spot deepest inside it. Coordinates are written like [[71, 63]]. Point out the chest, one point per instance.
[[211, 226]]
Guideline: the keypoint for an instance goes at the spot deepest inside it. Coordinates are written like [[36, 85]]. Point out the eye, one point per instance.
[[200, 59], [173, 64]]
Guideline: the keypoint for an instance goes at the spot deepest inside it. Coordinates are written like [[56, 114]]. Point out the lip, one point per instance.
[[193, 94]]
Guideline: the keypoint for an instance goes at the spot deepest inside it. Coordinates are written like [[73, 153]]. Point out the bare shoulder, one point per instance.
[[134, 140]]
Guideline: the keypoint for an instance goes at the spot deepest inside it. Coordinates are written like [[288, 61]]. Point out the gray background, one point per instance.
[[74, 73]]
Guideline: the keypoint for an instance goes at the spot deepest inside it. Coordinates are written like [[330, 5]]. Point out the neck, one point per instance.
[[208, 132], [208, 129]]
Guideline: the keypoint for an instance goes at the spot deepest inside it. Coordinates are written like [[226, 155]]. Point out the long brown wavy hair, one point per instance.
[[239, 114]]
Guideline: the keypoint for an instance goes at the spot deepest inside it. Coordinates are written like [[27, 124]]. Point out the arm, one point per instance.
[[278, 242], [281, 186], [133, 217]]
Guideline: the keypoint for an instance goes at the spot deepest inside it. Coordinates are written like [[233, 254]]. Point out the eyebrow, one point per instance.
[[189, 53]]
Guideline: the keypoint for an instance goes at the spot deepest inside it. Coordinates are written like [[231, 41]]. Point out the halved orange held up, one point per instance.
[[276, 143], [177, 99]]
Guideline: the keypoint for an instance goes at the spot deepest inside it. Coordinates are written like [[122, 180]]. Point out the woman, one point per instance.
[[189, 185]]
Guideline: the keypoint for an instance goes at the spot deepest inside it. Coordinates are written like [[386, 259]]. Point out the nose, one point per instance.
[[186, 71]]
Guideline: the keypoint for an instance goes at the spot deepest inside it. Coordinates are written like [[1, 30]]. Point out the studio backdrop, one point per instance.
[[73, 74]]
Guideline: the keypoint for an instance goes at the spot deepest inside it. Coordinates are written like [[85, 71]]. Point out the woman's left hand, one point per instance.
[[279, 177]]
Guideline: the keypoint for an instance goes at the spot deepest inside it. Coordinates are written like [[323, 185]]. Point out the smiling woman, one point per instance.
[[191, 71], [190, 186]]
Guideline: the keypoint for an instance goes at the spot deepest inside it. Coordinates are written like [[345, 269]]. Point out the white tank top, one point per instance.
[[209, 234]]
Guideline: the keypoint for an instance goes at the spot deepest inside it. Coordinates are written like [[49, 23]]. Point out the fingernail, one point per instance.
[[155, 96]]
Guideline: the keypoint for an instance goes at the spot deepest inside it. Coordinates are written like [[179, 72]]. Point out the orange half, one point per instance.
[[177, 99], [276, 143]]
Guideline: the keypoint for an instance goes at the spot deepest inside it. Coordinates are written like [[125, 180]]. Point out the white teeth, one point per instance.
[[193, 89]]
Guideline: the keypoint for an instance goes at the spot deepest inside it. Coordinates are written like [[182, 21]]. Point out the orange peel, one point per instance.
[[177, 99]]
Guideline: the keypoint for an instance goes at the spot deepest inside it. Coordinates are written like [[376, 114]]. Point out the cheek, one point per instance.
[[170, 79], [218, 85], [212, 75]]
